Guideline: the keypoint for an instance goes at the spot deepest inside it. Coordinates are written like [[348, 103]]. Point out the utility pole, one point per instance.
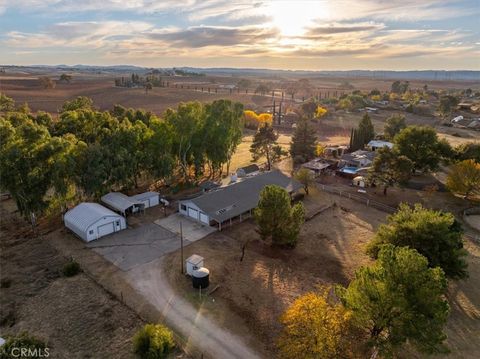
[[181, 246]]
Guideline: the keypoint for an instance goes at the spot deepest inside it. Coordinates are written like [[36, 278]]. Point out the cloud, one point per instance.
[[341, 28], [201, 36]]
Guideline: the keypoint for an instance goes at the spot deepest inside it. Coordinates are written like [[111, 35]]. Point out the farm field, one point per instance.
[[331, 247]]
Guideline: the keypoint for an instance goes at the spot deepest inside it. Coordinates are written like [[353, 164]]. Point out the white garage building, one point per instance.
[[149, 199], [122, 203], [91, 221]]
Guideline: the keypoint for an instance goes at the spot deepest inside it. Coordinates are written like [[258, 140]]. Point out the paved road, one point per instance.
[[200, 332]]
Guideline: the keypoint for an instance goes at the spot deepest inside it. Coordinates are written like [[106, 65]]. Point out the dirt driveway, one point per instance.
[[199, 331]]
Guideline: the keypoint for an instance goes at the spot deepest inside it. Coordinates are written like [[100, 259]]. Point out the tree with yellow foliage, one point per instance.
[[254, 120], [320, 112], [464, 178], [315, 327]]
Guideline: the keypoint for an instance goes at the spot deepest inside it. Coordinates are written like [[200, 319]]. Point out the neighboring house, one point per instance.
[[235, 201], [317, 166], [358, 158], [376, 144], [247, 170], [122, 203], [335, 151], [91, 221]]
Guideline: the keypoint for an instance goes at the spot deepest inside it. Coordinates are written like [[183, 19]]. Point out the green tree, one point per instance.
[[389, 168], [265, 145], [303, 145], [467, 151], [276, 218], [394, 125], [421, 145], [188, 136], [223, 132], [305, 177], [309, 109], [398, 299], [23, 341], [65, 78], [464, 178], [263, 88], [365, 129], [447, 104], [434, 234], [400, 87], [153, 341], [80, 103], [148, 86], [6, 103], [315, 326], [31, 163], [363, 134]]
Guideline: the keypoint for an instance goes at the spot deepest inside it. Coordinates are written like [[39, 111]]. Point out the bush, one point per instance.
[[35, 347], [71, 268], [153, 341]]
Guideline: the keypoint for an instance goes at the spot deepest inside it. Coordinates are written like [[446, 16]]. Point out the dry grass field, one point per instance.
[[331, 247], [59, 310]]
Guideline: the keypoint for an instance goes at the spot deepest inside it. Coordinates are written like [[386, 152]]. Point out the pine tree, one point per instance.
[[302, 147]]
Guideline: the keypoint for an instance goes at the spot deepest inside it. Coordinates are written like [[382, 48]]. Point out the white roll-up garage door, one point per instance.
[[193, 213], [203, 218], [105, 229]]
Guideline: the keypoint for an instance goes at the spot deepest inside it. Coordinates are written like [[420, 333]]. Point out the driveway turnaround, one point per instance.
[[135, 246], [192, 230]]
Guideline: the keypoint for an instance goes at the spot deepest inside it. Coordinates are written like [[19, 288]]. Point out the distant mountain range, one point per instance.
[[373, 74]]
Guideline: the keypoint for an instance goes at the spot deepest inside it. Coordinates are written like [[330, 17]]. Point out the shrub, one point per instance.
[[23, 341], [5, 283], [71, 268], [153, 341]]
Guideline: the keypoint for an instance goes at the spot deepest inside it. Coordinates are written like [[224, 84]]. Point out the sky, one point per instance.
[[276, 34]]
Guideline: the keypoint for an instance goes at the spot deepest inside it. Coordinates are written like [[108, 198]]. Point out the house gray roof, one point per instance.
[[232, 200]]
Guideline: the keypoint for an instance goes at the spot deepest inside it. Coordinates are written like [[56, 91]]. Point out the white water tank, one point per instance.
[[193, 262]]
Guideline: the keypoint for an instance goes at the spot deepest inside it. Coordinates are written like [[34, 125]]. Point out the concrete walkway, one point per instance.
[[199, 331]]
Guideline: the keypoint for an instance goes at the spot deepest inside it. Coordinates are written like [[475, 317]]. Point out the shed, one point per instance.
[[91, 221], [122, 203], [149, 199], [359, 181], [247, 170], [376, 144]]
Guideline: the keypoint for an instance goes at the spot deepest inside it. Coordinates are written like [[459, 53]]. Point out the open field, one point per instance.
[[333, 129], [331, 247]]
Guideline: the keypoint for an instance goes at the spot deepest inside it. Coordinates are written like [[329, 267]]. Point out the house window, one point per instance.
[[183, 207], [117, 223], [90, 231]]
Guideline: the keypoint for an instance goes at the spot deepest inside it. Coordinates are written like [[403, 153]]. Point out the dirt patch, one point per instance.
[[77, 317], [257, 290]]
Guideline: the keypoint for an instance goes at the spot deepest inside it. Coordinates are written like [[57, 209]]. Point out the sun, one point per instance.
[[293, 17]]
